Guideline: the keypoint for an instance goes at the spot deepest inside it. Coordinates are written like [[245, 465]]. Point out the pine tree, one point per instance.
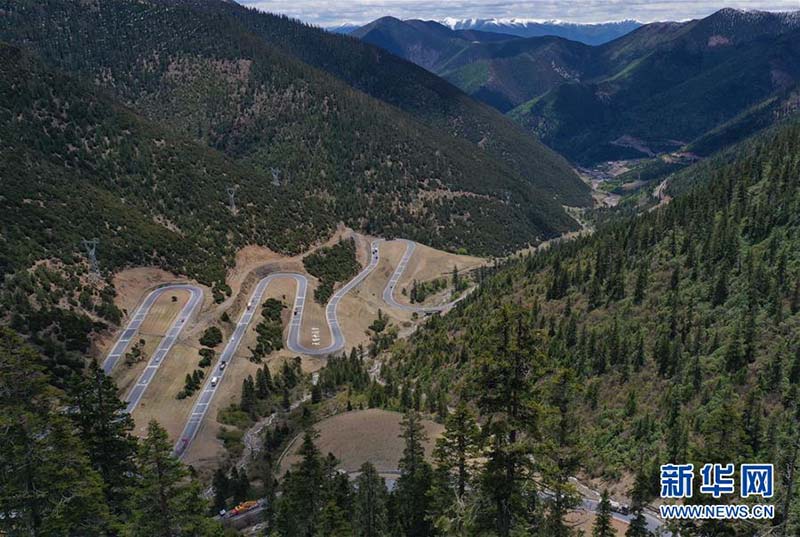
[[47, 480], [221, 485], [370, 513], [458, 447], [303, 488], [262, 385], [639, 493], [720, 293], [104, 428], [270, 485], [503, 381], [240, 486], [164, 503], [248, 398], [560, 452], [414, 483], [602, 522], [333, 522], [641, 283]]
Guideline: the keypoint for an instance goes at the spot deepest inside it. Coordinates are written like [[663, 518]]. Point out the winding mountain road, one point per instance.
[[213, 381], [189, 309], [293, 344], [388, 291]]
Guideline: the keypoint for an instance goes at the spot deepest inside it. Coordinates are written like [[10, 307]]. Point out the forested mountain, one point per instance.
[[426, 43], [699, 85], [480, 29], [298, 133], [675, 332], [128, 121], [416, 91], [262, 50], [665, 86]]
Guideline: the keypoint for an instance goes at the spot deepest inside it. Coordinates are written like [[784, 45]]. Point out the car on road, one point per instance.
[[621, 508], [214, 381], [222, 365]]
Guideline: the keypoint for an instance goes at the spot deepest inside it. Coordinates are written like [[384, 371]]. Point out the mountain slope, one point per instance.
[[658, 88], [315, 138], [665, 85], [680, 325], [426, 43], [416, 91], [76, 165]]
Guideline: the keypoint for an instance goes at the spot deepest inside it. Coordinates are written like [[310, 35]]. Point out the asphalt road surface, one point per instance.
[[164, 346], [653, 523], [213, 381], [388, 291], [293, 340]]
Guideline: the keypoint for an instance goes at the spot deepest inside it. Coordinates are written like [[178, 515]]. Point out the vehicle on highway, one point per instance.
[[214, 382], [222, 365], [621, 508], [242, 508]]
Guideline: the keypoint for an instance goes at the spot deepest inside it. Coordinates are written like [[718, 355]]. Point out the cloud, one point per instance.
[[331, 12]]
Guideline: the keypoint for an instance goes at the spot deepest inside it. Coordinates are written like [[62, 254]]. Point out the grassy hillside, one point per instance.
[[680, 327]]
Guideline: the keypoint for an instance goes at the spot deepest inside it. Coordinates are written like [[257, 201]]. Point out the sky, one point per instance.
[[335, 12]]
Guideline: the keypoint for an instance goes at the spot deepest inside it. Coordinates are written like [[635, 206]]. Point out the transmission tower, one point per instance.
[[232, 198], [91, 253]]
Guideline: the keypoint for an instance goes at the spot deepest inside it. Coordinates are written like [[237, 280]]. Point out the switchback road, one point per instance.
[[388, 291], [213, 381], [189, 309]]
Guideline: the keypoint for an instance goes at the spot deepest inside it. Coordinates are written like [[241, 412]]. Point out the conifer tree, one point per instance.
[[458, 447], [303, 488], [221, 486], [414, 483], [164, 502], [560, 451], [47, 480], [502, 381], [370, 513], [602, 522], [104, 428]]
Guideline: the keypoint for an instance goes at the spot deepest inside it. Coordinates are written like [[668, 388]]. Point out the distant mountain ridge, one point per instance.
[[700, 84], [587, 33], [590, 33]]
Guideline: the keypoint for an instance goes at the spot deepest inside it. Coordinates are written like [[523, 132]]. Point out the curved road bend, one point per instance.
[[293, 340], [337, 338], [388, 291], [164, 346]]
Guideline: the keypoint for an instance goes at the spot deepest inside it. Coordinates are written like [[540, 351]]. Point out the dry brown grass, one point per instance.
[[364, 435], [583, 520]]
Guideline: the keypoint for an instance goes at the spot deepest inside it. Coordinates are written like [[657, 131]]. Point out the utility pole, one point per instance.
[[232, 198], [91, 253]]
